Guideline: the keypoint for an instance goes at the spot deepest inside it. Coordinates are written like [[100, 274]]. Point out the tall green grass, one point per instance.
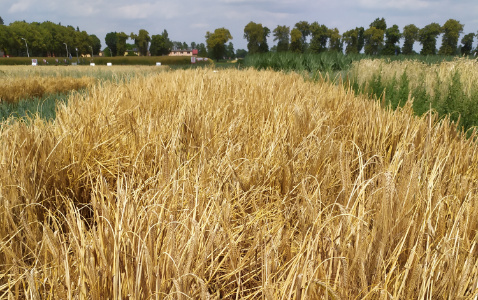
[[286, 61], [325, 61]]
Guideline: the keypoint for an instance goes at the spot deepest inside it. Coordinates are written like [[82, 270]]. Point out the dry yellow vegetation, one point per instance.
[[15, 89], [26, 82], [238, 185], [434, 77]]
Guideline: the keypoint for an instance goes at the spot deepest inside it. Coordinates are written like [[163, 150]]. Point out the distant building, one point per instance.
[[132, 52], [193, 52]]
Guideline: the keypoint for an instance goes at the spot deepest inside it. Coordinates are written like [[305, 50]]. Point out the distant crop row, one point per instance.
[[101, 60]]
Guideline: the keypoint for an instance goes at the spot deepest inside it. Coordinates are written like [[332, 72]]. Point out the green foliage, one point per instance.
[[335, 40], [451, 32], [256, 36], [296, 41], [309, 62], [320, 36], [379, 24], [230, 51], [373, 40], [392, 37], [160, 44], [410, 34], [467, 44], [111, 41], [353, 40], [373, 37], [202, 50], [216, 42], [141, 40], [427, 36], [121, 43], [241, 53], [95, 44], [43, 39], [447, 99], [281, 35], [305, 30]]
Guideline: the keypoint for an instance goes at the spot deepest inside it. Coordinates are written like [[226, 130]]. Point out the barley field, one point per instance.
[[203, 184]]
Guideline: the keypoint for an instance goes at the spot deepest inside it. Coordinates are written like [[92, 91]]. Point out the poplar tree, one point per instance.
[[410, 34], [427, 36], [451, 33], [281, 35]]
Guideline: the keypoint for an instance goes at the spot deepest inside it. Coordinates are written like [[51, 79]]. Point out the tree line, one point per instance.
[[46, 39], [377, 39], [49, 39]]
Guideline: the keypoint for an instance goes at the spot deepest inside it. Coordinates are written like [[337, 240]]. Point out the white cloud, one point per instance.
[[20, 6], [395, 4], [135, 11], [199, 25]]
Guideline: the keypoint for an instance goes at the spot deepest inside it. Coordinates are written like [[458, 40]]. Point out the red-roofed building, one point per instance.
[[193, 52]]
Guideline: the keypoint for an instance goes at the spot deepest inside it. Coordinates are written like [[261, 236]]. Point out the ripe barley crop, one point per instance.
[[235, 184]]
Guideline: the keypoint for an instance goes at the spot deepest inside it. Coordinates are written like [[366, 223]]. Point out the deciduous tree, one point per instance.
[[241, 53], [202, 50], [4, 40], [141, 40], [296, 41], [373, 40], [392, 37], [451, 33], [121, 43], [354, 40], [160, 44], [467, 44], [320, 36], [111, 40], [410, 34], [373, 36], [281, 35], [335, 41], [427, 36], [256, 36], [304, 28], [216, 42], [95, 44], [230, 50], [379, 24]]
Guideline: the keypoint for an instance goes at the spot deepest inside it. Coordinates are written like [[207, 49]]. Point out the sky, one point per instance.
[[188, 21]]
